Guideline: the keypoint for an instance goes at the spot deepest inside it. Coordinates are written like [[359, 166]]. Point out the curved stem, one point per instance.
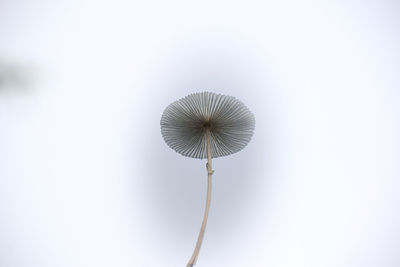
[[196, 251]]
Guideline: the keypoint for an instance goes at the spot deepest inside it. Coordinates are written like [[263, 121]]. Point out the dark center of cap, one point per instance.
[[206, 125]]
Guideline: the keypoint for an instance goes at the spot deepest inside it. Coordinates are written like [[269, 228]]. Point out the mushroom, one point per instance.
[[206, 125]]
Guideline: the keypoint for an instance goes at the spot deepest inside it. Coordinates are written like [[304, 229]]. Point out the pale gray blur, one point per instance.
[[87, 180], [14, 77]]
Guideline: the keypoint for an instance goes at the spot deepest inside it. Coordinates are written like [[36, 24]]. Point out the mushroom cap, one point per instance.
[[184, 124]]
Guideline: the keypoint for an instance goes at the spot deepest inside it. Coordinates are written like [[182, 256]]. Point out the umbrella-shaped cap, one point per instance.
[[184, 124]]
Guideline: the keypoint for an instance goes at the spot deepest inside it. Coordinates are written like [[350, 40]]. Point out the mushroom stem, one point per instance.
[[210, 172]]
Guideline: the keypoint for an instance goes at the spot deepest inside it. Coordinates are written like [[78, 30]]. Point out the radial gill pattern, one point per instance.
[[184, 124]]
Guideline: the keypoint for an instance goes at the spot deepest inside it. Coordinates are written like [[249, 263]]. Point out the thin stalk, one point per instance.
[[196, 251]]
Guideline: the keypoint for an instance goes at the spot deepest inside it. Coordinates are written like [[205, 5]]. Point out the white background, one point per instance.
[[86, 179]]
